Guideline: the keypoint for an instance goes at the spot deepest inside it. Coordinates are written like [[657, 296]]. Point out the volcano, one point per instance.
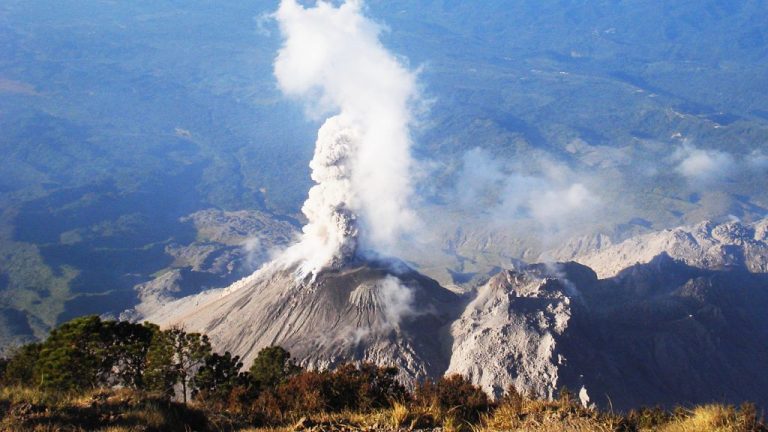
[[662, 332], [378, 311], [655, 329]]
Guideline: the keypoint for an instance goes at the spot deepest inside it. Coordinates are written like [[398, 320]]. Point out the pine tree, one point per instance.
[[22, 365], [272, 366], [173, 358], [219, 374], [160, 374], [74, 355]]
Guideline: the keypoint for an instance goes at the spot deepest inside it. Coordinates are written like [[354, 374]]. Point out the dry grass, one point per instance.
[[528, 416], [33, 396], [26, 409], [399, 415], [128, 411], [536, 415], [711, 418]]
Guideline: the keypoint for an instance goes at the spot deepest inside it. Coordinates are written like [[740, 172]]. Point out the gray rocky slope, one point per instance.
[[374, 312], [705, 245], [662, 332], [673, 328]]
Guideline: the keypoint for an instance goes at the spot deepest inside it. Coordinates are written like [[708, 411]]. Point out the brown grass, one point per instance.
[[25, 409], [128, 411], [537, 415], [714, 418]]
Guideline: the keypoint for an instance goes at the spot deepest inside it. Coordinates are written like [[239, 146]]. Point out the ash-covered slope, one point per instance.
[[658, 333], [365, 311], [509, 333], [706, 245]]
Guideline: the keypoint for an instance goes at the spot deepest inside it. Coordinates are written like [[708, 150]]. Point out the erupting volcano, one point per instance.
[[340, 294], [331, 297]]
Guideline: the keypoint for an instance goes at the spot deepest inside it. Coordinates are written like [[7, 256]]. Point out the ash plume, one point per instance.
[[332, 60]]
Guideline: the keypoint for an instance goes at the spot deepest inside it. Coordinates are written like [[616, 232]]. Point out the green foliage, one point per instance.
[[88, 352], [20, 370], [160, 374], [272, 366], [172, 359], [218, 377], [128, 346], [74, 357]]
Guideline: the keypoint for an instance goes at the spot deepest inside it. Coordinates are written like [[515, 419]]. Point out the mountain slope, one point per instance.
[[706, 245], [657, 333], [365, 311]]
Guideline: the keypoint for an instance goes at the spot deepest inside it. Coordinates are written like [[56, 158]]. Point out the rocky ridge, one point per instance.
[[705, 245], [229, 246]]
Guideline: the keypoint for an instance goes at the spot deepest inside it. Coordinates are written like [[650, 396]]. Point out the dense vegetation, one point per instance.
[[114, 375]]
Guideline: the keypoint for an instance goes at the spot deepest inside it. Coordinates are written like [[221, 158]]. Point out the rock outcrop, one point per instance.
[[508, 334]]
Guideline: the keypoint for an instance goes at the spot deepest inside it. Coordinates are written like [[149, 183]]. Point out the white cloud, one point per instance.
[[397, 300], [757, 161], [703, 167], [555, 199], [554, 205]]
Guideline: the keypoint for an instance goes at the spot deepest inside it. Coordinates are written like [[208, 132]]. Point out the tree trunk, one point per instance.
[[184, 388]]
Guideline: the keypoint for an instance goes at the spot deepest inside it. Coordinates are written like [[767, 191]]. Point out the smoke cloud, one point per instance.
[[554, 199], [397, 300], [703, 167], [757, 161], [332, 60]]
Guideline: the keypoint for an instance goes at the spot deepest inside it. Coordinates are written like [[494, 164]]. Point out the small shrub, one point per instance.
[[748, 419], [21, 367], [648, 418], [455, 395], [512, 399], [399, 415], [364, 387], [348, 387], [306, 392], [268, 408]]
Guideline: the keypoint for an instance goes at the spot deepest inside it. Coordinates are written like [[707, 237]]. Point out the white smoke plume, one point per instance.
[[397, 300], [555, 199], [332, 60]]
